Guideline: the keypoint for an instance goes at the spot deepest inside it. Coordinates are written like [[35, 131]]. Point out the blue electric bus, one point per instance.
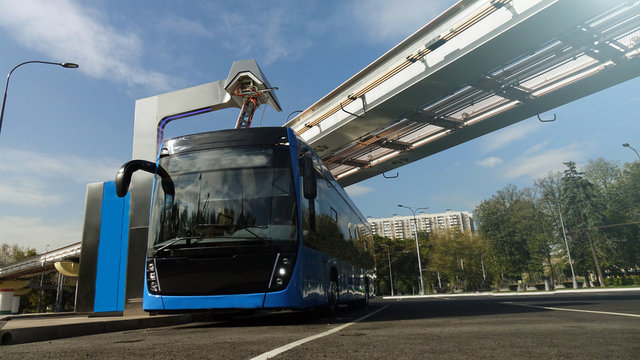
[[250, 219]]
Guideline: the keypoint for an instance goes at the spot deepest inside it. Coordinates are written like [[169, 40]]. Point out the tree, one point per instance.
[[623, 211], [457, 259], [402, 253], [14, 252], [499, 221], [603, 174], [584, 211], [550, 189], [541, 242]]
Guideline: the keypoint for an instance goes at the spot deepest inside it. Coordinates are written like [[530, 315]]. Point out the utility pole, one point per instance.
[[566, 243], [390, 274]]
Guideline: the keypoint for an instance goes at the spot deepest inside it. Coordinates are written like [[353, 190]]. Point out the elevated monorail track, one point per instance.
[[478, 67]]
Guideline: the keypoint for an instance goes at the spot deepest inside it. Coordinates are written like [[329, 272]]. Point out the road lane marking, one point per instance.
[[290, 346], [575, 310]]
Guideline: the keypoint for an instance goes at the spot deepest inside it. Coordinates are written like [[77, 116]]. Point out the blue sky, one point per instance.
[[64, 128]]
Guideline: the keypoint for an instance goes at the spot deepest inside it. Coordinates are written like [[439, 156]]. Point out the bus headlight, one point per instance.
[[152, 278], [281, 272]]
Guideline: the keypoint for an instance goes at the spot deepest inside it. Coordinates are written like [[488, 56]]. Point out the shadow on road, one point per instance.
[[407, 309]]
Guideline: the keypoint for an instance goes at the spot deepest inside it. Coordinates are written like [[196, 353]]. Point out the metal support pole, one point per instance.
[[39, 308], [390, 274], [566, 243], [60, 293], [46, 250], [484, 274], [417, 247]]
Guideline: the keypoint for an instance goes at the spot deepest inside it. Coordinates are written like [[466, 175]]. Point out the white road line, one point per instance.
[[290, 346], [576, 310]]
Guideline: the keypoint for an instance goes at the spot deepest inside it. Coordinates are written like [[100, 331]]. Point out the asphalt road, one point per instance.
[[585, 326]]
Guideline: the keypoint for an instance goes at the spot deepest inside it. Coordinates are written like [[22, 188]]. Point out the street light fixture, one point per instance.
[[630, 147], [417, 245], [6, 87]]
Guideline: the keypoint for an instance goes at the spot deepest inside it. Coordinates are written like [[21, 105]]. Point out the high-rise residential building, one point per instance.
[[404, 227]]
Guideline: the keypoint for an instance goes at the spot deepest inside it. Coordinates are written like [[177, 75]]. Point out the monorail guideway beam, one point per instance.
[[480, 66], [152, 114]]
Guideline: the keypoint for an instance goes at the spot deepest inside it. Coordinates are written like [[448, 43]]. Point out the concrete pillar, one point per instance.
[[6, 301], [15, 307]]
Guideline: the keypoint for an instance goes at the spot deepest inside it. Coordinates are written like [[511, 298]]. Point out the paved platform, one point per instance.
[[18, 329]]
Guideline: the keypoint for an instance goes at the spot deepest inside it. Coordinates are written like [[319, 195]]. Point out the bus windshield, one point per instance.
[[223, 196]]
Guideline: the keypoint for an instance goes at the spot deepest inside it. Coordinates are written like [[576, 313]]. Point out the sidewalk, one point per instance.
[[19, 329], [512, 293]]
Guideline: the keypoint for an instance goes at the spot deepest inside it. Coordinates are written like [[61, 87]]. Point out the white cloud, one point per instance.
[[536, 148], [384, 21], [185, 26], [279, 34], [69, 31], [490, 161], [37, 233], [29, 191], [29, 178], [358, 190], [537, 165], [506, 136], [72, 167]]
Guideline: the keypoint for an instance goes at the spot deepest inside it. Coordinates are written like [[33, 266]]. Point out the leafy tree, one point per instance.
[[404, 264], [584, 213], [457, 258], [14, 252], [623, 213], [520, 234], [499, 220], [541, 241], [550, 189], [603, 174]]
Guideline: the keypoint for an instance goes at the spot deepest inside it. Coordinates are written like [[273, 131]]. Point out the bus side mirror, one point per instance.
[[310, 180], [123, 178]]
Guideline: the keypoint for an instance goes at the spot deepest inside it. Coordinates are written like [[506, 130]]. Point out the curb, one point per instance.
[[521, 293], [59, 331]]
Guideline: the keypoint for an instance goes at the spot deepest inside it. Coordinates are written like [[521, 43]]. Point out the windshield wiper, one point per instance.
[[176, 239], [248, 228], [236, 227]]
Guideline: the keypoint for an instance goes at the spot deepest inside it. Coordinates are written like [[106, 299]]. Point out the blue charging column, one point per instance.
[[103, 260]]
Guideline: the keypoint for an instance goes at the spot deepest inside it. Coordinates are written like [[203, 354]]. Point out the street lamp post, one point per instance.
[[417, 245], [566, 243], [390, 274], [6, 87], [630, 147]]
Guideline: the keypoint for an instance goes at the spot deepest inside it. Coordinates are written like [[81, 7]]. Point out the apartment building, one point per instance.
[[403, 227]]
